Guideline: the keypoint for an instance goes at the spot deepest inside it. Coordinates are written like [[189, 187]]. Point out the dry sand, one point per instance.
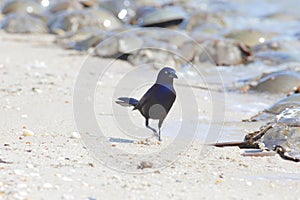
[[37, 80]]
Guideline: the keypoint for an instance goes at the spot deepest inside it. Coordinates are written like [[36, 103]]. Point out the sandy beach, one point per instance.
[[36, 93]]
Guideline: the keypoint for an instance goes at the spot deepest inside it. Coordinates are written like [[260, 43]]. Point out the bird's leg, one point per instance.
[[147, 125], [159, 126], [159, 139]]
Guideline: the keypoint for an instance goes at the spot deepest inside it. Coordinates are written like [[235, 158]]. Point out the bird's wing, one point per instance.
[[148, 96], [157, 93]]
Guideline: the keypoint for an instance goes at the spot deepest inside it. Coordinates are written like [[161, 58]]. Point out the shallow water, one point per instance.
[[279, 177], [252, 14]]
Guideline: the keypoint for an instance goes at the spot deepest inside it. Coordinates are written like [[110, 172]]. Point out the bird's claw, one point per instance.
[[157, 135]]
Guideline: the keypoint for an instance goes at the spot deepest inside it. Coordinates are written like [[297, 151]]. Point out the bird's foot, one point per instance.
[[159, 139], [157, 135], [148, 142]]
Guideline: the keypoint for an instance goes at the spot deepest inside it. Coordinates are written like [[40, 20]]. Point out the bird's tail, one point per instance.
[[125, 101]]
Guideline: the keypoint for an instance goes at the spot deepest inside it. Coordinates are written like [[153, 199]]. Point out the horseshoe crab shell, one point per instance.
[[89, 42], [250, 37], [24, 23], [292, 101], [157, 56], [281, 135], [125, 10], [63, 5], [79, 19], [163, 17], [223, 52], [22, 6], [201, 19], [277, 82], [284, 136], [89, 3], [119, 45]]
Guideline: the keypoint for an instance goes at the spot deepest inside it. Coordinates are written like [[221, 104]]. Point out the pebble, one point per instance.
[[76, 135], [218, 181], [34, 174], [249, 183], [36, 90], [66, 179], [23, 193], [85, 184], [38, 64], [18, 172], [44, 134], [30, 166], [27, 132], [68, 196], [47, 185], [22, 185], [24, 116], [145, 164]]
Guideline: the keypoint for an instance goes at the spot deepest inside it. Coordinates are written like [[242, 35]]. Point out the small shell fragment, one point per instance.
[[47, 185], [145, 164], [76, 135], [27, 132], [24, 116]]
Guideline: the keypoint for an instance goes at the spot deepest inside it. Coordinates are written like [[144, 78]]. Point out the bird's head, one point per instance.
[[166, 76]]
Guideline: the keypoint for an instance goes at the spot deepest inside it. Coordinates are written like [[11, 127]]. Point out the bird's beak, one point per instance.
[[173, 75]]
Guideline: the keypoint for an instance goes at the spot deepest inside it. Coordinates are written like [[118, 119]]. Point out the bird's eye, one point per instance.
[[166, 72]]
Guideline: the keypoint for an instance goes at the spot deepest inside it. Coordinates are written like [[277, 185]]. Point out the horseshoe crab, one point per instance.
[[201, 19], [24, 23], [268, 46], [250, 37], [81, 40], [79, 19], [119, 45], [281, 135], [276, 82], [63, 5], [188, 50], [90, 41], [163, 17], [123, 9], [156, 51], [207, 31], [21, 6], [223, 52], [146, 46], [154, 55], [89, 3], [292, 101]]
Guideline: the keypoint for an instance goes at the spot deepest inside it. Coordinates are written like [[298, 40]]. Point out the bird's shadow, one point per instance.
[[120, 140]]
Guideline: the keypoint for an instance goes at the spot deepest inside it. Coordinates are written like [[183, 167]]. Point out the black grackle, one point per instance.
[[157, 101]]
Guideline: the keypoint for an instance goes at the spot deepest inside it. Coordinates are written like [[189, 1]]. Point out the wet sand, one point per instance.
[[36, 93]]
